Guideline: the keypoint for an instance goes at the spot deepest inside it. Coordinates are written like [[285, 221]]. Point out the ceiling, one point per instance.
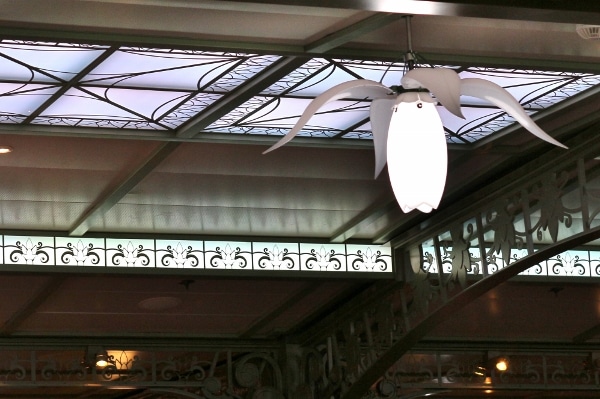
[[190, 180]]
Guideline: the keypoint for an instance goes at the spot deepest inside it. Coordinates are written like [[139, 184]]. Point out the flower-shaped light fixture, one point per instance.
[[408, 133]]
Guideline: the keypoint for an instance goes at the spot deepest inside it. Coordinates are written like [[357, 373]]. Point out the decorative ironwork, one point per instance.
[[80, 254], [177, 85], [535, 211], [180, 257], [228, 258], [130, 255], [276, 259], [29, 253], [323, 260], [476, 370], [368, 260], [213, 374], [194, 254]]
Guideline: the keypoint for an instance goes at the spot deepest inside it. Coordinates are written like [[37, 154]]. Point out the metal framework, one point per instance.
[[365, 348], [545, 211], [190, 92], [368, 347], [224, 372]]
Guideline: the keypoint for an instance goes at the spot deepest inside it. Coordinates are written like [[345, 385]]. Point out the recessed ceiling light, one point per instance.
[[159, 303], [4, 149]]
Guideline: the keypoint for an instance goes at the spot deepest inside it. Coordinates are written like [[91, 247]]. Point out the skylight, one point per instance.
[[122, 87]]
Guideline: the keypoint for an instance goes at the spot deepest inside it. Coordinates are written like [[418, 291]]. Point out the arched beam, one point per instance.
[[399, 348]]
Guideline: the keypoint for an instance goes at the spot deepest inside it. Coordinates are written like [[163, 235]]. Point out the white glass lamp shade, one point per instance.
[[417, 155]]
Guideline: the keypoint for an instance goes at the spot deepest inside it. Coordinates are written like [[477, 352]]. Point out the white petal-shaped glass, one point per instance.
[[354, 89], [417, 156], [381, 114], [408, 133], [501, 98], [443, 83]]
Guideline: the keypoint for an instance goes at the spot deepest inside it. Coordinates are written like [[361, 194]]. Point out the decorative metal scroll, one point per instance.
[[223, 374], [568, 371], [580, 263], [194, 254], [555, 203], [99, 86]]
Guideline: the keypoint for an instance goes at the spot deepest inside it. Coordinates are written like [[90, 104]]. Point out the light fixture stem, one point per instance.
[[409, 58], [408, 33]]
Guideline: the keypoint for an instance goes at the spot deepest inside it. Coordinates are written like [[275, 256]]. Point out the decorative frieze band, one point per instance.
[[191, 254], [573, 263]]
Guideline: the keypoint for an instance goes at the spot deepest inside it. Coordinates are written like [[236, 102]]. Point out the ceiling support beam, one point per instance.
[[70, 84], [114, 195], [384, 361], [527, 10], [381, 206], [280, 69], [351, 32], [240, 96], [12, 324], [587, 335], [264, 321]]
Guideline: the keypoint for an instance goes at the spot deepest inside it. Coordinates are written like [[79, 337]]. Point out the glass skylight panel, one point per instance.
[[151, 104], [536, 90], [177, 70], [43, 62], [90, 108], [20, 100], [474, 116], [296, 77], [525, 86], [244, 70], [277, 114], [130, 88], [162, 88], [321, 81], [387, 73], [190, 108]]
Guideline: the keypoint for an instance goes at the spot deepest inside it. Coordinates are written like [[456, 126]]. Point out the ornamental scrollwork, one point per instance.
[[275, 259], [80, 254], [570, 264], [571, 372], [228, 258], [180, 256], [369, 260], [411, 370], [313, 371], [501, 222], [130, 255], [13, 370], [323, 260], [259, 374], [423, 289], [549, 195], [459, 255], [29, 253], [463, 373]]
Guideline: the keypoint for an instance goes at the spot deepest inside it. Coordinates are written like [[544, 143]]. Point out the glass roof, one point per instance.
[[122, 87]]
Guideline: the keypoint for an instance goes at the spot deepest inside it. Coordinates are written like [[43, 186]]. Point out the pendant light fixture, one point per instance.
[[407, 130]]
